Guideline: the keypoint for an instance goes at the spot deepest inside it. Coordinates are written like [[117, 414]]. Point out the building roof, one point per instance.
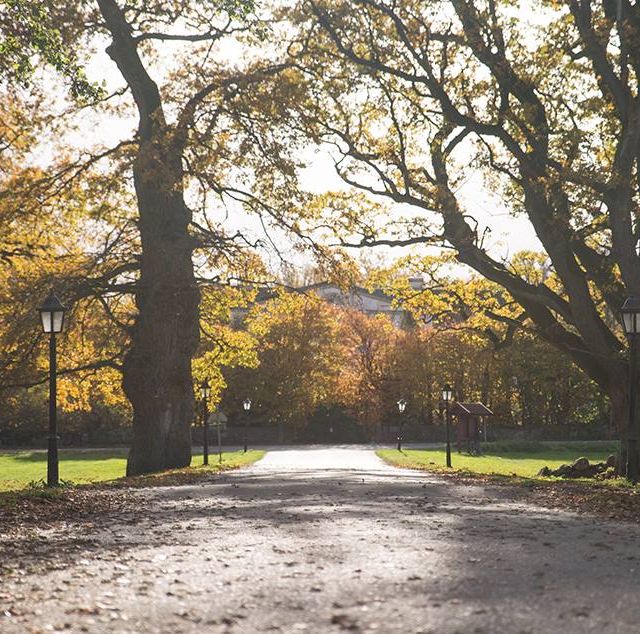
[[266, 293], [374, 302], [357, 290], [471, 409]]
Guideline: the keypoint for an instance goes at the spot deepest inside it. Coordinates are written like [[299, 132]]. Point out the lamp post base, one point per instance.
[[52, 462]]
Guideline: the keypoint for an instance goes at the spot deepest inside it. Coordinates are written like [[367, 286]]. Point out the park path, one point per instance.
[[327, 540]]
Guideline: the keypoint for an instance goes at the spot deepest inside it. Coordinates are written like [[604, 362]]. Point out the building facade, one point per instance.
[[371, 303]]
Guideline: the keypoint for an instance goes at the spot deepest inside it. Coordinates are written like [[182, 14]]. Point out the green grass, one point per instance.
[[496, 460], [19, 468]]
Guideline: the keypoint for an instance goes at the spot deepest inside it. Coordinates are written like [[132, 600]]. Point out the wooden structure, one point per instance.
[[469, 416]]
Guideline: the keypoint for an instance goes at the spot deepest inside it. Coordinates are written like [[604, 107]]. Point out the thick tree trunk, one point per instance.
[[157, 369]]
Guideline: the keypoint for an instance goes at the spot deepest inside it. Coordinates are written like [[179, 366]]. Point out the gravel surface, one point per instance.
[[324, 540]]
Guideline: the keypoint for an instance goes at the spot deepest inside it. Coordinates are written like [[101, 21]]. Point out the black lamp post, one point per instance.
[[247, 406], [402, 404], [205, 393], [447, 395], [219, 426], [52, 318], [631, 322]]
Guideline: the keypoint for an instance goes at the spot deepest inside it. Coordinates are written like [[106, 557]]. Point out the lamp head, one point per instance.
[[52, 314], [631, 316]]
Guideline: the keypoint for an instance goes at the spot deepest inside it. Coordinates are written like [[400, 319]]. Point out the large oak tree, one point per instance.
[[543, 101], [205, 127], [202, 148]]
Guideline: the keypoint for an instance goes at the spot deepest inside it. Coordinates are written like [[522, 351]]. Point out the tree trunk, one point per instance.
[[618, 419], [486, 385], [157, 369]]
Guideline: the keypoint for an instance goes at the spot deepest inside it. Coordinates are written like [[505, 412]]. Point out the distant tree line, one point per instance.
[[325, 372], [320, 372]]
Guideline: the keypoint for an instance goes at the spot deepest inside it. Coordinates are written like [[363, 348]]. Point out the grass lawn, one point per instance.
[[500, 460], [19, 468]]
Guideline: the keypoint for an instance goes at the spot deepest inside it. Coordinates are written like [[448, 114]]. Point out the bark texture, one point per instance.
[[157, 369]]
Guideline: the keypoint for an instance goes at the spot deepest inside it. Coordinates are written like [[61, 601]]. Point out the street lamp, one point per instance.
[[247, 406], [205, 393], [52, 318], [447, 395], [631, 322], [402, 404], [219, 426]]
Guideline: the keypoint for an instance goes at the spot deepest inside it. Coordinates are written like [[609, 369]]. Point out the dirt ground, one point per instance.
[[323, 540]]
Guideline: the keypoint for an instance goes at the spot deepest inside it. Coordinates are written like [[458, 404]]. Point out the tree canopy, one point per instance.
[[415, 96]]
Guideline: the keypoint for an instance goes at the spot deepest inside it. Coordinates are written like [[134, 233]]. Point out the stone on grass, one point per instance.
[[563, 470], [581, 464], [582, 468]]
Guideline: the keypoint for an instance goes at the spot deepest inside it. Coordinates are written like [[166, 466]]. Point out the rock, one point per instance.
[[606, 473], [581, 468], [581, 464], [612, 461]]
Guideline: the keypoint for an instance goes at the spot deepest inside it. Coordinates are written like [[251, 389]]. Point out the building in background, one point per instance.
[[375, 302]]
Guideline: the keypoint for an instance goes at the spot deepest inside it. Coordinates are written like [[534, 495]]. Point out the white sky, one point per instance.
[[508, 234]]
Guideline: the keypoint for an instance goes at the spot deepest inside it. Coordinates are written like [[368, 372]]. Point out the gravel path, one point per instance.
[[326, 540]]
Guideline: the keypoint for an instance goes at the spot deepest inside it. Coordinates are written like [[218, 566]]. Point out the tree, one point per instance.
[[42, 240], [201, 143], [28, 31], [223, 348], [301, 360], [299, 352], [480, 341], [368, 386], [414, 95]]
